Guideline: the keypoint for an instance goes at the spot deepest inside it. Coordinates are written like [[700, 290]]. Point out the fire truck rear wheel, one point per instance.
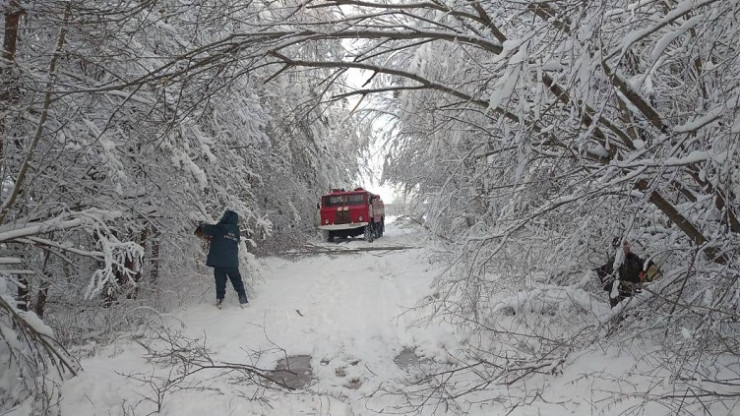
[[369, 233]]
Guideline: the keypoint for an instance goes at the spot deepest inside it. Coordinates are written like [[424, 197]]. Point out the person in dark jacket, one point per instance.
[[223, 255], [631, 274]]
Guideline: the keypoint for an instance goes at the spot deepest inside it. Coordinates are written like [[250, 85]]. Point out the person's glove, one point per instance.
[[199, 233]]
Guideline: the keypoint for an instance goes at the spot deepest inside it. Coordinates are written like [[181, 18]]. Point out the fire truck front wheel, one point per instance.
[[369, 233], [329, 236]]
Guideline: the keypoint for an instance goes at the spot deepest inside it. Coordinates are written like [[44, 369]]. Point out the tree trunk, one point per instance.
[[24, 294], [134, 292], [13, 12], [682, 222], [40, 306], [12, 20], [43, 292], [8, 202], [155, 258]]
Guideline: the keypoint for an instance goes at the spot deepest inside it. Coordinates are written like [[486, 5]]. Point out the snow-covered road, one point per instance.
[[346, 323], [352, 314]]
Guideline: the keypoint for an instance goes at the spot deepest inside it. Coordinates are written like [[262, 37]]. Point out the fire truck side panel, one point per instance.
[[378, 209]]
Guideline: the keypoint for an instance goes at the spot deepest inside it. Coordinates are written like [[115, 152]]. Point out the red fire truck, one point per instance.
[[346, 214]]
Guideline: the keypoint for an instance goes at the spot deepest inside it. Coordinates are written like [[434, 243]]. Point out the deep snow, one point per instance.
[[353, 314], [352, 317]]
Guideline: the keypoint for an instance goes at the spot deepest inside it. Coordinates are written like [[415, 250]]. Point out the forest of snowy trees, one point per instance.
[[528, 135]]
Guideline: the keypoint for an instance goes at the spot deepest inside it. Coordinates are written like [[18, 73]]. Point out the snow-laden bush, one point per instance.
[[124, 124]]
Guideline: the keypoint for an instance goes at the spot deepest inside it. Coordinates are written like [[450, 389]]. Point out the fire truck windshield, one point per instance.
[[337, 200]]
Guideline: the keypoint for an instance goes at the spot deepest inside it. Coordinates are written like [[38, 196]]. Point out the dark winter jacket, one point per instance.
[[629, 270], [224, 251], [629, 277]]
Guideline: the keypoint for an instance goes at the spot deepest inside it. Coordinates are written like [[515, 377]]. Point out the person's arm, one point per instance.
[[208, 229], [199, 233]]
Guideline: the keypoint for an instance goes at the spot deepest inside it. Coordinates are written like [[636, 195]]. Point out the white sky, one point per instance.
[[355, 79], [352, 314], [372, 184]]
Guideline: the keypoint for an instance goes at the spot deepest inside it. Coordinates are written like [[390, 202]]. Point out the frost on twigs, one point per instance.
[[33, 362], [122, 261], [184, 364]]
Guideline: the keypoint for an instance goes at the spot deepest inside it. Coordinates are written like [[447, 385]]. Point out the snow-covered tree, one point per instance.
[[533, 134], [122, 125]]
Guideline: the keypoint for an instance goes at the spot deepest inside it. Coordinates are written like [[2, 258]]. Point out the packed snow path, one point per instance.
[[347, 316]]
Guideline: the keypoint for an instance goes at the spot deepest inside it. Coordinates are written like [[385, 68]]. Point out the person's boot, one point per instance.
[[243, 301], [219, 303]]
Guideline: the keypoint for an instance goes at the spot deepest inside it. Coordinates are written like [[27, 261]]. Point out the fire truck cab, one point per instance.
[[346, 214]]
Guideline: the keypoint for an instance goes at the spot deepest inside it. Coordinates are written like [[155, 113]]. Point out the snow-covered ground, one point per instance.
[[355, 345], [352, 313]]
